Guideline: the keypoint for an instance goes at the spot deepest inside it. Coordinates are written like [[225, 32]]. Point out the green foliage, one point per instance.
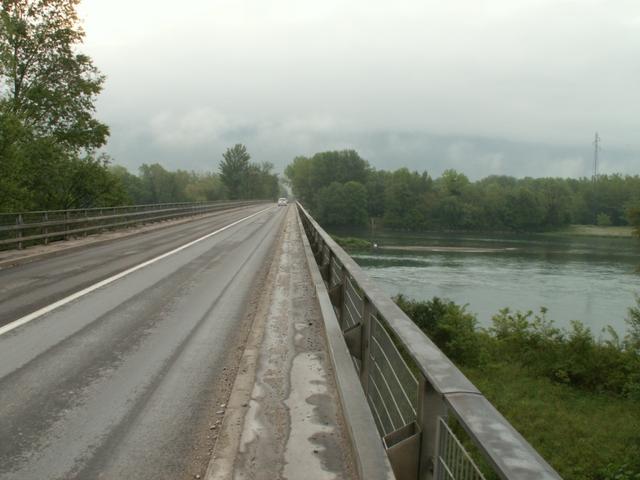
[[234, 170], [633, 217], [450, 326], [414, 201], [47, 83], [48, 134], [406, 198], [603, 220], [352, 244], [573, 357], [574, 398], [342, 204], [632, 339], [243, 179], [308, 176], [619, 472]]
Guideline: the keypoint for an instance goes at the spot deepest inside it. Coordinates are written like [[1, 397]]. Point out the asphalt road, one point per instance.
[[28, 287], [124, 382]]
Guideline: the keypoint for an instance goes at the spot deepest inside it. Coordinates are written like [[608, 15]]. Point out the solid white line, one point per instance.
[[38, 313]]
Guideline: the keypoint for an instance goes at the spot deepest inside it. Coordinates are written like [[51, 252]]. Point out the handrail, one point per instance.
[[74, 221], [442, 388]]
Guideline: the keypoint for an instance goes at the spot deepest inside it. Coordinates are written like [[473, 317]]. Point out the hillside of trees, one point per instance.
[[342, 189]]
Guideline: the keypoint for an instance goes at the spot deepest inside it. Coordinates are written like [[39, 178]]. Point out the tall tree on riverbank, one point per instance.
[[46, 84], [234, 170], [244, 179], [48, 130]]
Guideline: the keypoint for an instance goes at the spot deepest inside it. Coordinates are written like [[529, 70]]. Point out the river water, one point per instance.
[[591, 279]]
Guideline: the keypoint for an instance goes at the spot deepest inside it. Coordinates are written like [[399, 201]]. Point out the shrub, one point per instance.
[[603, 220], [449, 325]]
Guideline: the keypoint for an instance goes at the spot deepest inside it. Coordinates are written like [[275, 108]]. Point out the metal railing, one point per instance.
[[428, 413], [28, 228]]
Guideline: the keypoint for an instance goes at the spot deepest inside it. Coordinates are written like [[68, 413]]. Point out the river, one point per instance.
[[591, 279]]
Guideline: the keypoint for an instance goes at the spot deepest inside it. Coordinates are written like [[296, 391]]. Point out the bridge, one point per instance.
[[223, 340]]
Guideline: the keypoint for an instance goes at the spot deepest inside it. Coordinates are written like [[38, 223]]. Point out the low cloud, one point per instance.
[[188, 129]]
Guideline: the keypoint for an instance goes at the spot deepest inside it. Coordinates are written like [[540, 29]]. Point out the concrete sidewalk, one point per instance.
[[284, 418]]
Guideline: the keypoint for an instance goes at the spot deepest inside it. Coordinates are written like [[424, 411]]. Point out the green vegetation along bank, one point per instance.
[[342, 189], [574, 398]]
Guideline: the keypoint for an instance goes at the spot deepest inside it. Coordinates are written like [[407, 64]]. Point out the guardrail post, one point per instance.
[[86, 223], [19, 221], [45, 230], [67, 217], [430, 408]]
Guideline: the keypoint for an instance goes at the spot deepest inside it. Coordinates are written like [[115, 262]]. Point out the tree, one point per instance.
[[234, 171], [342, 204], [633, 217], [298, 176], [44, 82], [406, 199], [48, 133]]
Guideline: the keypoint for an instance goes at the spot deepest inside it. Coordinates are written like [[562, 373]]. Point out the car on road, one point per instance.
[[282, 202]]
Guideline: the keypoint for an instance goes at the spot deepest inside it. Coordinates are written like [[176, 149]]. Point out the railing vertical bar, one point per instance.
[[19, 221]]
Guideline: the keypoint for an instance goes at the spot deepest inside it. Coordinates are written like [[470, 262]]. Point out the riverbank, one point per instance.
[[574, 397], [593, 231]]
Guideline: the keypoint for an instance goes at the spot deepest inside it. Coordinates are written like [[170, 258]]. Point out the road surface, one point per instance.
[[125, 381]]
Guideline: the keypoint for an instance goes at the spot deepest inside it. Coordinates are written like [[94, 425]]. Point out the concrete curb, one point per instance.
[[16, 261], [371, 459]]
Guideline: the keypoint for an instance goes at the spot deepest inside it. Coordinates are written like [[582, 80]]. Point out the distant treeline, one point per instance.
[[238, 179], [49, 182], [342, 189]]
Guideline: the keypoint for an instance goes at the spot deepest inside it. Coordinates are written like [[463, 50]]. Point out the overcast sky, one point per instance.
[[515, 87]]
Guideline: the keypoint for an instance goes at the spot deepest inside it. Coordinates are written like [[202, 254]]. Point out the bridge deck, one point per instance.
[[284, 418]]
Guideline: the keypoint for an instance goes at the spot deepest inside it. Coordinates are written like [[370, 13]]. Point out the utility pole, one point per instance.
[[596, 152]]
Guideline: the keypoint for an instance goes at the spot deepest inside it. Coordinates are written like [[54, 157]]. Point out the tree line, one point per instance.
[[238, 179], [342, 189], [50, 138]]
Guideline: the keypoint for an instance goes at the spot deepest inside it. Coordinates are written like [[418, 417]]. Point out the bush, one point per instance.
[[573, 357], [603, 220], [352, 243], [450, 327]]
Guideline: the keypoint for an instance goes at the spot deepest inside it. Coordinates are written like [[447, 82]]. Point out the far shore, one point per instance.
[[594, 231], [422, 248]]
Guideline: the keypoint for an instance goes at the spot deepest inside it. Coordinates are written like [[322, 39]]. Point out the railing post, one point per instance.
[[67, 217], [19, 221], [45, 230], [430, 408], [365, 364], [86, 223]]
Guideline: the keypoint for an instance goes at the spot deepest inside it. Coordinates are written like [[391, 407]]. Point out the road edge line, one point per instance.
[[44, 310]]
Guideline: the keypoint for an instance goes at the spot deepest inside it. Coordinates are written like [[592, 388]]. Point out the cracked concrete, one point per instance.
[[284, 419]]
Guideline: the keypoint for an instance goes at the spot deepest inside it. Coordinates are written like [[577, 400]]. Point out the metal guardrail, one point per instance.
[[421, 402], [27, 228]]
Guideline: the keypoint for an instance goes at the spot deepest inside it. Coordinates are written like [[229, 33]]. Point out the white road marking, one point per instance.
[[38, 313]]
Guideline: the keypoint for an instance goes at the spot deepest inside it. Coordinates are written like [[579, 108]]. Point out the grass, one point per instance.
[[582, 435], [352, 244]]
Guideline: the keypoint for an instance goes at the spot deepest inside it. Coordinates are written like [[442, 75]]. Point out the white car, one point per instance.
[[282, 202]]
